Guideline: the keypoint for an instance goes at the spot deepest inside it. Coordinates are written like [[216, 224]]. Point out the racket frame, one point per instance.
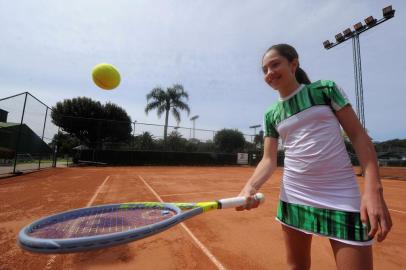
[[99, 241], [77, 244]]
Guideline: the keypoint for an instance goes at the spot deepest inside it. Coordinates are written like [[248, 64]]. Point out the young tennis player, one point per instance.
[[319, 193]]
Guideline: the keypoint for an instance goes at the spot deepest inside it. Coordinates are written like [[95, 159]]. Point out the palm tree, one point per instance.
[[165, 101]]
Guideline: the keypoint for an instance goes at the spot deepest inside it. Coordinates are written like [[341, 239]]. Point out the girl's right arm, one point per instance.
[[262, 172]]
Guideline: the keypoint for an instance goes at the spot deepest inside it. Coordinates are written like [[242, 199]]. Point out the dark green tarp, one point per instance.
[[29, 141]]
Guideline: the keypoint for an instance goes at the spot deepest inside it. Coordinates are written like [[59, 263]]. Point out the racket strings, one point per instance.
[[100, 221]]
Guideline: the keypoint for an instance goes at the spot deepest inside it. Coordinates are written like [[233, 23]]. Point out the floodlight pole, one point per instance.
[[388, 13], [255, 131], [194, 120], [359, 89], [133, 138]]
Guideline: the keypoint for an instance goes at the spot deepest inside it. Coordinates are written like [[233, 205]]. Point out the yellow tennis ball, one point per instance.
[[106, 76]]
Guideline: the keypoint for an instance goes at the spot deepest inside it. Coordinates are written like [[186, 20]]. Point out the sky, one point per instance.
[[212, 48]]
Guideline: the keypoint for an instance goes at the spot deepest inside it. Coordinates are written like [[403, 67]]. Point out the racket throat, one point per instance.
[[207, 206]]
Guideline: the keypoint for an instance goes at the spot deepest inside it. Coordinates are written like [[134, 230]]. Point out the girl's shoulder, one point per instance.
[[322, 84], [271, 109], [317, 88]]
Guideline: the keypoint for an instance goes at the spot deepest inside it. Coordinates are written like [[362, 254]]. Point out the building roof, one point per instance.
[[8, 124]]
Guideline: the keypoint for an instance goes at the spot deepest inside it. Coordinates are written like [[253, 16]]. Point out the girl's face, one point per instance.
[[278, 71]]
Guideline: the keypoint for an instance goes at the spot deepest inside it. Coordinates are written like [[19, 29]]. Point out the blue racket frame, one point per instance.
[[99, 241]]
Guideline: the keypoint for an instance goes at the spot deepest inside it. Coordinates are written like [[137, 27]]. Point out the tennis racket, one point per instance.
[[113, 224]]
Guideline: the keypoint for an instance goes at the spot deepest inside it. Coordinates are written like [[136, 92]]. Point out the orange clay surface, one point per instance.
[[236, 240]]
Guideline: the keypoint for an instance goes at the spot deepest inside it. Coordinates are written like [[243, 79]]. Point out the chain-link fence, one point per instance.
[[34, 136], [26, 133]]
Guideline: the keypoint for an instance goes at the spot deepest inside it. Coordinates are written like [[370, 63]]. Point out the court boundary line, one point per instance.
[[53, 257], [205, 250], [399, 211]]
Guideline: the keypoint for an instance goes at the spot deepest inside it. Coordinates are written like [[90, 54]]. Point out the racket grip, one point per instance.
[[240, 201]]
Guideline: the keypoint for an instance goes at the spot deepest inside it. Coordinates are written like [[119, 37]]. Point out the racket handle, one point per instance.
[[240, 201]]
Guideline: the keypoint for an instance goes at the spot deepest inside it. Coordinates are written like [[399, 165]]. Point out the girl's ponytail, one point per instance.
[[301, 76]]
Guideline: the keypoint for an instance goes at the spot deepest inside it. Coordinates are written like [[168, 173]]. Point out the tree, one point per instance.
[[175, 142], [229, 140], [167, 101], [90, 121], [119, 129], [65, 143], [207, 146], [396, 145], [145, 141]]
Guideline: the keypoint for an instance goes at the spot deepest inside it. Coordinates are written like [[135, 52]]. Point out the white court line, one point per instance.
[[97, 192], [200, 244], [403, 212], [53, 257]]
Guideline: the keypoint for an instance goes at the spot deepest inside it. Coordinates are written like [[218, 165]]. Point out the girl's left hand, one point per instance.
[[374, 210]]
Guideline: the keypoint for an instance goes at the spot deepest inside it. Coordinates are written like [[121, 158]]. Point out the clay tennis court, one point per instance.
[[217, 240]]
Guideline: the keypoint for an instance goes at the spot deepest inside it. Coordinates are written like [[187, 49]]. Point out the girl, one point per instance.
[[319, 193]]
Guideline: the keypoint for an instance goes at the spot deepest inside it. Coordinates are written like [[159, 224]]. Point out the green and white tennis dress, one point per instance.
[[319, 193]]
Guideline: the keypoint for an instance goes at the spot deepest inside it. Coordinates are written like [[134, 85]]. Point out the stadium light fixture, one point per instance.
[[327, 44], [388, 12], [370, 21], [347, 32], [358, 26], [255, 126], [339, 37]]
